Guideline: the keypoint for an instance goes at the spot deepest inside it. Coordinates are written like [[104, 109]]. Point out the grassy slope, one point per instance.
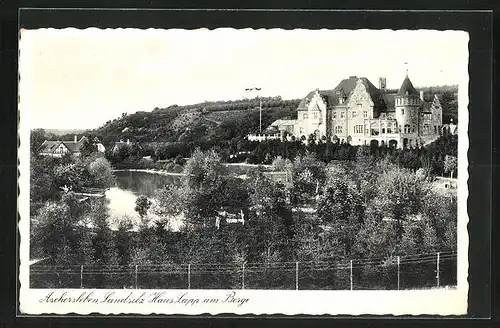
[[223, 120], [217, 120]]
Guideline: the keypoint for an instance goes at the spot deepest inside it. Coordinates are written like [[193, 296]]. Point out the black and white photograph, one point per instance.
[[243, 171]]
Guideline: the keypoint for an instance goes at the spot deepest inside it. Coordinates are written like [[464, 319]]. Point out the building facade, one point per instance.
[[359, 113], [58, 148]]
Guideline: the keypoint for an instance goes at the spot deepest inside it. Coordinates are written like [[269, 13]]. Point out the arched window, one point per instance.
[[407, 128], [304, 116], [389, 127]]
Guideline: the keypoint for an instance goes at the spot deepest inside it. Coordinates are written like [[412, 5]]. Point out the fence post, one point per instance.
[[437, 268], [352, 285], [81, 276], [398, 272], [136, 277], [189, 276], [296, 275], [243, 276]]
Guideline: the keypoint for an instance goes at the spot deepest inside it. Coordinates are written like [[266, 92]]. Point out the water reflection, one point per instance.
[[144, 183], [130, 185]]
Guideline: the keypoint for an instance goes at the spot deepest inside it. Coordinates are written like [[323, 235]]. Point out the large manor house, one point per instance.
[[358, 113]]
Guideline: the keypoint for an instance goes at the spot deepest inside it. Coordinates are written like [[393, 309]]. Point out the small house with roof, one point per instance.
[[124, 144], [359, 113], [58, 148]]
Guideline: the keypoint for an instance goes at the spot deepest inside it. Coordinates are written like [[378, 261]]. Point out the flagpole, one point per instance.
[[260, 106]]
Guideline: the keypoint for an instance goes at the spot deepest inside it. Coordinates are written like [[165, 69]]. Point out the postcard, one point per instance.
[[242, 171]]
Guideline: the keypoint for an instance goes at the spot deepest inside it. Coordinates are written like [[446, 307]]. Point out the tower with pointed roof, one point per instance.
[[359, 113], [407, 106]]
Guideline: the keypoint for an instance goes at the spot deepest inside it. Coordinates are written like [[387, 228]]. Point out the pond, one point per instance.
[[130, 185]]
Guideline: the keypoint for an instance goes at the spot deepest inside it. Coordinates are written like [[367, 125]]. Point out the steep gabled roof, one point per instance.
[[345, 89], [49, 146], [390, 102], [74, 147], [310, 95], [407, 89]]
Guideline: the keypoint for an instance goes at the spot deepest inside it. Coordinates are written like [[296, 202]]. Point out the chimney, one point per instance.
[[422, 95], [76, 138], [382, 84]]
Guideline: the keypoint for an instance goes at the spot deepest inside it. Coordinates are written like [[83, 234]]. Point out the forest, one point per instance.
[[368, 207]]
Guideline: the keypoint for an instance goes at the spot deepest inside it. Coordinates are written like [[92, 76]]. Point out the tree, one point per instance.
[[202, 193], [340, 209], [376, 238], [42, 181], [54, 230], [37, 137], [400, 194], [124, 242], [72, 176], [103, 243], [87, 148], [450, 164], [142, 205], [102, 173], [418, 237]]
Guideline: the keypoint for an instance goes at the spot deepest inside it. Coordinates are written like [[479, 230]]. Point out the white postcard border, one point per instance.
[[289, 302]]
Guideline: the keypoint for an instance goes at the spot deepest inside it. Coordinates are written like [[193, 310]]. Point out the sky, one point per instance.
[[78, 79]]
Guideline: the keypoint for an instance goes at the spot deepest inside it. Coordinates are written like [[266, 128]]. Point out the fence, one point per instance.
[[400, 272]]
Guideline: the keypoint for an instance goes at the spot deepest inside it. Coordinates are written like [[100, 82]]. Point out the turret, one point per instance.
[[407, 103]]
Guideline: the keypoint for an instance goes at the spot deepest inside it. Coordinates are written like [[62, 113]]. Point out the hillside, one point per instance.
[[209, 122], [64, 132]]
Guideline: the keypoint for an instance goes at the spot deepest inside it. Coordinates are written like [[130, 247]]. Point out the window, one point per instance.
[[353, 114], [334, 114], [338, 129], [358, 129], [315, 115], [365, 114], [301, 130], [407, 128], [342, 114], [374, 129], [360, 106], [402, 111], [413, 129], [389, 128], [304, 116]]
